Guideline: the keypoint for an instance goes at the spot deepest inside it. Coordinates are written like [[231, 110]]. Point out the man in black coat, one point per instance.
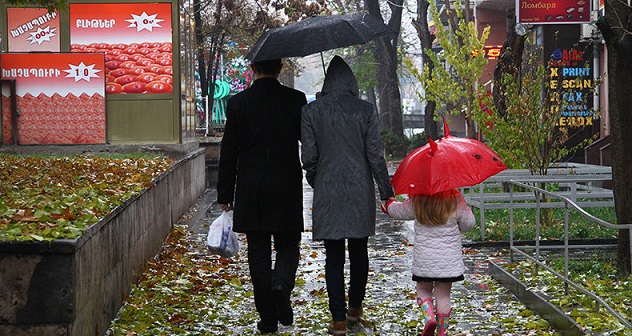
[[260, 177]]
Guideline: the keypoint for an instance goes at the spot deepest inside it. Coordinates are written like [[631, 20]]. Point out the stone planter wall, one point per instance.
[[76, 287]]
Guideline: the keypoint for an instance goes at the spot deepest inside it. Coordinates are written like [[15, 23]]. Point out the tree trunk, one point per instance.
[[421, 25], [389, 105], [199, 40], [509, 62], [619, 43]]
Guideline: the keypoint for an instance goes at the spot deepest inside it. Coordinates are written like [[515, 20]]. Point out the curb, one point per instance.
[[562, 322]]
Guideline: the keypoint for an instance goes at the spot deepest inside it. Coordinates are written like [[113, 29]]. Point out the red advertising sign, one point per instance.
[[553, 11], [32, 29], [60, 96], [136, 39]]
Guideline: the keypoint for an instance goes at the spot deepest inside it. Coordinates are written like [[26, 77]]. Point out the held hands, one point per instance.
[[388, 202]]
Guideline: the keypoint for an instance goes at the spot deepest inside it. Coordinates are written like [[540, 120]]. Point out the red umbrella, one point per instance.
[[449, 163]]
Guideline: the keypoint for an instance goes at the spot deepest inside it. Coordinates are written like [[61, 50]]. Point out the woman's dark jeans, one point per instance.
[[334, 274]]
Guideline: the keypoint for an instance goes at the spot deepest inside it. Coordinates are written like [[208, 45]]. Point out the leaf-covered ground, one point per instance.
[[187, 291], [615, 290], [46, 198]]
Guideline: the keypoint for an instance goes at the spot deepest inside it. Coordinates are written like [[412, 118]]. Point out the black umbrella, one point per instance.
[[317, 34]]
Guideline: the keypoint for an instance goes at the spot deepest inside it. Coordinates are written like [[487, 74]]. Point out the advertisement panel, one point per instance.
[[136, 39], [60, 97], [571, 74], [572, 83], [32, 29], [553, 11]]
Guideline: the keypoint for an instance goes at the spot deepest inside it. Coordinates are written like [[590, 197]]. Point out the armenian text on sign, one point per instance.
[[32, 30]]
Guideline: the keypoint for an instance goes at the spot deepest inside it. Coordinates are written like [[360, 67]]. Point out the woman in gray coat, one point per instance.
[[342, 155]]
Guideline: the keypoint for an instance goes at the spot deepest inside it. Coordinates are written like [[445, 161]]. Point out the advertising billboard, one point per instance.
[[553, 11], [571, 83], [32, 29], [136, 39], [60, 98]]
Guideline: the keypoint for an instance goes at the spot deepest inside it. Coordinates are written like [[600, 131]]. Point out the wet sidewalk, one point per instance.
[[481, 306]]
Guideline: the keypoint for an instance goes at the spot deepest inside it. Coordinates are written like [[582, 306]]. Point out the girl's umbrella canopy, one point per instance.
[[449, 163]]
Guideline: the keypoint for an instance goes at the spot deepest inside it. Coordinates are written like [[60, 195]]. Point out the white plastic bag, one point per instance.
[[221, 239]]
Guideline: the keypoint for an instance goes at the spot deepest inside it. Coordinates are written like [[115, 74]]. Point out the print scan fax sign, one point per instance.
[[553, 11]]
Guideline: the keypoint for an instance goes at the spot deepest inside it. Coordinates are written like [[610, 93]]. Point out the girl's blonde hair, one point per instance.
[[434, 209]]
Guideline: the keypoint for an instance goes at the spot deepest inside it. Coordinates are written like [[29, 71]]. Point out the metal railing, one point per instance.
[[568, 204], [581, 183]]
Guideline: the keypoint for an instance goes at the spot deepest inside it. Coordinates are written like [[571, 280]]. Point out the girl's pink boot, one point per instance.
[[430, 321], [443, 320]]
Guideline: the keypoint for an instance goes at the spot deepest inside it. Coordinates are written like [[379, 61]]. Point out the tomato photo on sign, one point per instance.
[[152, 68], [144, 51], [159, 87], [119, 72], [137, 70], [128, 64], [165, 48], [131, 50], [114, 52], [113, 64], [164, 61], [166, 70], [134, 87], [144, 61], [125, 79], [123, 57], [113, 88], [165, 79], [153, 55], [135, 57], [147, 77]]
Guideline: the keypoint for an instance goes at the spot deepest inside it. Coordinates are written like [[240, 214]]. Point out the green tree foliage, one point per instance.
[[452, 83], [526, 135], [365, 69]]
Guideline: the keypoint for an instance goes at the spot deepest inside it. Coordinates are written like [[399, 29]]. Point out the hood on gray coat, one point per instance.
[[339, 78]]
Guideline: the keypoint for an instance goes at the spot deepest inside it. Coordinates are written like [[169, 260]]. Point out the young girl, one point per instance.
[[437, 257]]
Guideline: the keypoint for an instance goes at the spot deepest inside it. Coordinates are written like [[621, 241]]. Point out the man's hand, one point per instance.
[[226, 207]]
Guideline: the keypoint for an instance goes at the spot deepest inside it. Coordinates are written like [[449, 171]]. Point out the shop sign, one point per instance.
[[136, 39], [553, 11], [571, 85], [60, 96], [32, 29]]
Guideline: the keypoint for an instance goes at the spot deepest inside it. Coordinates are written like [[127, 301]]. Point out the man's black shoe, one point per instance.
[[266, 329], [283, 305]]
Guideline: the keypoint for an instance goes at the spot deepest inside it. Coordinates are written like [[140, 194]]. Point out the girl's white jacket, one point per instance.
[[437, 251]]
